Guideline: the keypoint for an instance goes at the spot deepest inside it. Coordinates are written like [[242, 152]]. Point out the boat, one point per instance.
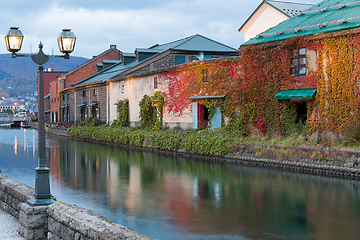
[[25, 124]]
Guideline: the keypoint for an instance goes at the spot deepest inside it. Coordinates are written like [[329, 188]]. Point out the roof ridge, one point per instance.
[[199, 35], [187, 39], [289, 2], [91, 59], [174, 41]]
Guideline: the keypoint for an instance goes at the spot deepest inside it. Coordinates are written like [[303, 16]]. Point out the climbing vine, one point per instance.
[[158, 102], [147, 107], [146, 111], [123, 113], [338, 84], [251, 82], [189, 81]]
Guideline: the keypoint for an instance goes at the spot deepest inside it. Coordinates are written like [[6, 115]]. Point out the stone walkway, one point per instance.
[[8, 226]]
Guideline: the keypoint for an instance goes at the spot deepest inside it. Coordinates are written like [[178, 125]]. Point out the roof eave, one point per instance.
[[317, 36]]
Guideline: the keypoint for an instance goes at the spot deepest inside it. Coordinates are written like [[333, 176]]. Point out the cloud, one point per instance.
[[128, 24]]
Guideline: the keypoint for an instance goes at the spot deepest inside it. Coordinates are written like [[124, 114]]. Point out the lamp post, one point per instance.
[[66, 42]]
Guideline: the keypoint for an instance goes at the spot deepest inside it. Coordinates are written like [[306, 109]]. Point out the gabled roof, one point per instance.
[[289, 9], [197, 43], [112, 48], [327, 16]]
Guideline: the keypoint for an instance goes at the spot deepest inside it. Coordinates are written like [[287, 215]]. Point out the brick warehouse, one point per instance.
[[61, 114]]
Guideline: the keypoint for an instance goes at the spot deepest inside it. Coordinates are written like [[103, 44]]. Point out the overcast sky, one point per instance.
[[127, 24]]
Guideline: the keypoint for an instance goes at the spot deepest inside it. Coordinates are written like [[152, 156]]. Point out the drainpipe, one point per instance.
[[107, 104], [75, 107]]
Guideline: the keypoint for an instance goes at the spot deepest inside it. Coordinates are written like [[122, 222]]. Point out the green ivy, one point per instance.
[[146, 111], [90, 122], [236, 124], [147, 107], [288, 119], [159, 102], [209, 142], [123, 110]]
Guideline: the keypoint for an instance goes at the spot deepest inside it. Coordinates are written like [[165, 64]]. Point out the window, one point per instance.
[[298, 62], [206, 75], [122, 87], [155, 82], [179, 59], [94, 91], [98, 113], [83, 93]]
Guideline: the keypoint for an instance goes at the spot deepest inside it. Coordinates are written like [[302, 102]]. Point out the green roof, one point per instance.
[[327, 16], [296, 94], [195, 42]]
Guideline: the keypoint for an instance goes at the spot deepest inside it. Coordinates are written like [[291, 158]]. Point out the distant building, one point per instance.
[[268, 14], [49, 75], [60, 112]]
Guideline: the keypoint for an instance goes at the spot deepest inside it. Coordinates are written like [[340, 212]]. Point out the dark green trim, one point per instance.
[[305, 93]]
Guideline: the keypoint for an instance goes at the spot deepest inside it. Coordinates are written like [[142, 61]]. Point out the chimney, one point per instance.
[[52, 67], [112, 46]]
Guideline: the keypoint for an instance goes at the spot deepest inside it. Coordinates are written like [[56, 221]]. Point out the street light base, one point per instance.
[[40, 202]]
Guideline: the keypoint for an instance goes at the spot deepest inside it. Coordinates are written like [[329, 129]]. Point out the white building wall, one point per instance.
[[264, 18], [134, 90]]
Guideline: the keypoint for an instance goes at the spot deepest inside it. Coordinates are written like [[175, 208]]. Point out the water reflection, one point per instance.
[[15, 146], [177, 198]]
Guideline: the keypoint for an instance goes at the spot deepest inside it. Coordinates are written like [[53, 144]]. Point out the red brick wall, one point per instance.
[[54, 98], [89, 69], [48, 78]]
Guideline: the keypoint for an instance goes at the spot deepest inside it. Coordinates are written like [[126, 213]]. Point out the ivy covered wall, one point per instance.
[[251, 82]]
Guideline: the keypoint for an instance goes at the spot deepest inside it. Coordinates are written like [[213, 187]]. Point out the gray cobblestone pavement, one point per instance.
[[8, 226]]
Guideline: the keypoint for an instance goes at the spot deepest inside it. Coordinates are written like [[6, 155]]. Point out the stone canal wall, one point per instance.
[[319, 161], [58, 221], [57, 131], [72, 222], [12, 194]]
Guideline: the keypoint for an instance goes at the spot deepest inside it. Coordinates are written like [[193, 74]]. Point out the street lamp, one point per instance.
[[66, 42]]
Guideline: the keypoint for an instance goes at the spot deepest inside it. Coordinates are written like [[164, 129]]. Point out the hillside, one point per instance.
[[18, 75]]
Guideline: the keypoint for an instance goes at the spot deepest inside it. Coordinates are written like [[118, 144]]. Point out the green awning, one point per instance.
[[80, 105], [296, 94], [64, 106], [91, 104]]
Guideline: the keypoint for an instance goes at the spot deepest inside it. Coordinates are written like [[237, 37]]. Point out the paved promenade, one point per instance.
[[8, 226]]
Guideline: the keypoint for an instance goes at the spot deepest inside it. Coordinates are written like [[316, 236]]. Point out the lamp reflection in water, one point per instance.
[[66, 42], [15, 146]]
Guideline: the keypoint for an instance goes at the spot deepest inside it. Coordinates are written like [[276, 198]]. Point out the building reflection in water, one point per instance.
[[25, 143], [34, 146], [205, 198]]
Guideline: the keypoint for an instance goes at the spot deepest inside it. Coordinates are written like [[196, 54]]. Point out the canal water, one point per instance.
[[178, 198]]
